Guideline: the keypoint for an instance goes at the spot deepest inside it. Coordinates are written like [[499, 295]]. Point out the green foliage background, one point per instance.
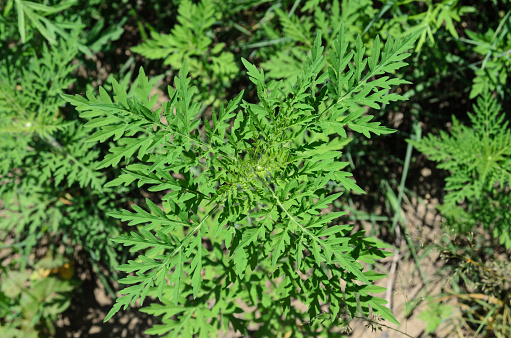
[[250, 177]]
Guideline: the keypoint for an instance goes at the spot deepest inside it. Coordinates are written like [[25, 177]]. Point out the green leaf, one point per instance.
[[127, 151], [379, 307]]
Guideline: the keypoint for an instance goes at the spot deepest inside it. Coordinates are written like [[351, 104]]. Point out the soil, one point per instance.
[[408, 287]]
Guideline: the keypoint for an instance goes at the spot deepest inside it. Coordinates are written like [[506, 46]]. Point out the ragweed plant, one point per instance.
[[291, 33], [477, 217], [240, 211], [478, 158], [492, 72], [191, 40], [49, 190]]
